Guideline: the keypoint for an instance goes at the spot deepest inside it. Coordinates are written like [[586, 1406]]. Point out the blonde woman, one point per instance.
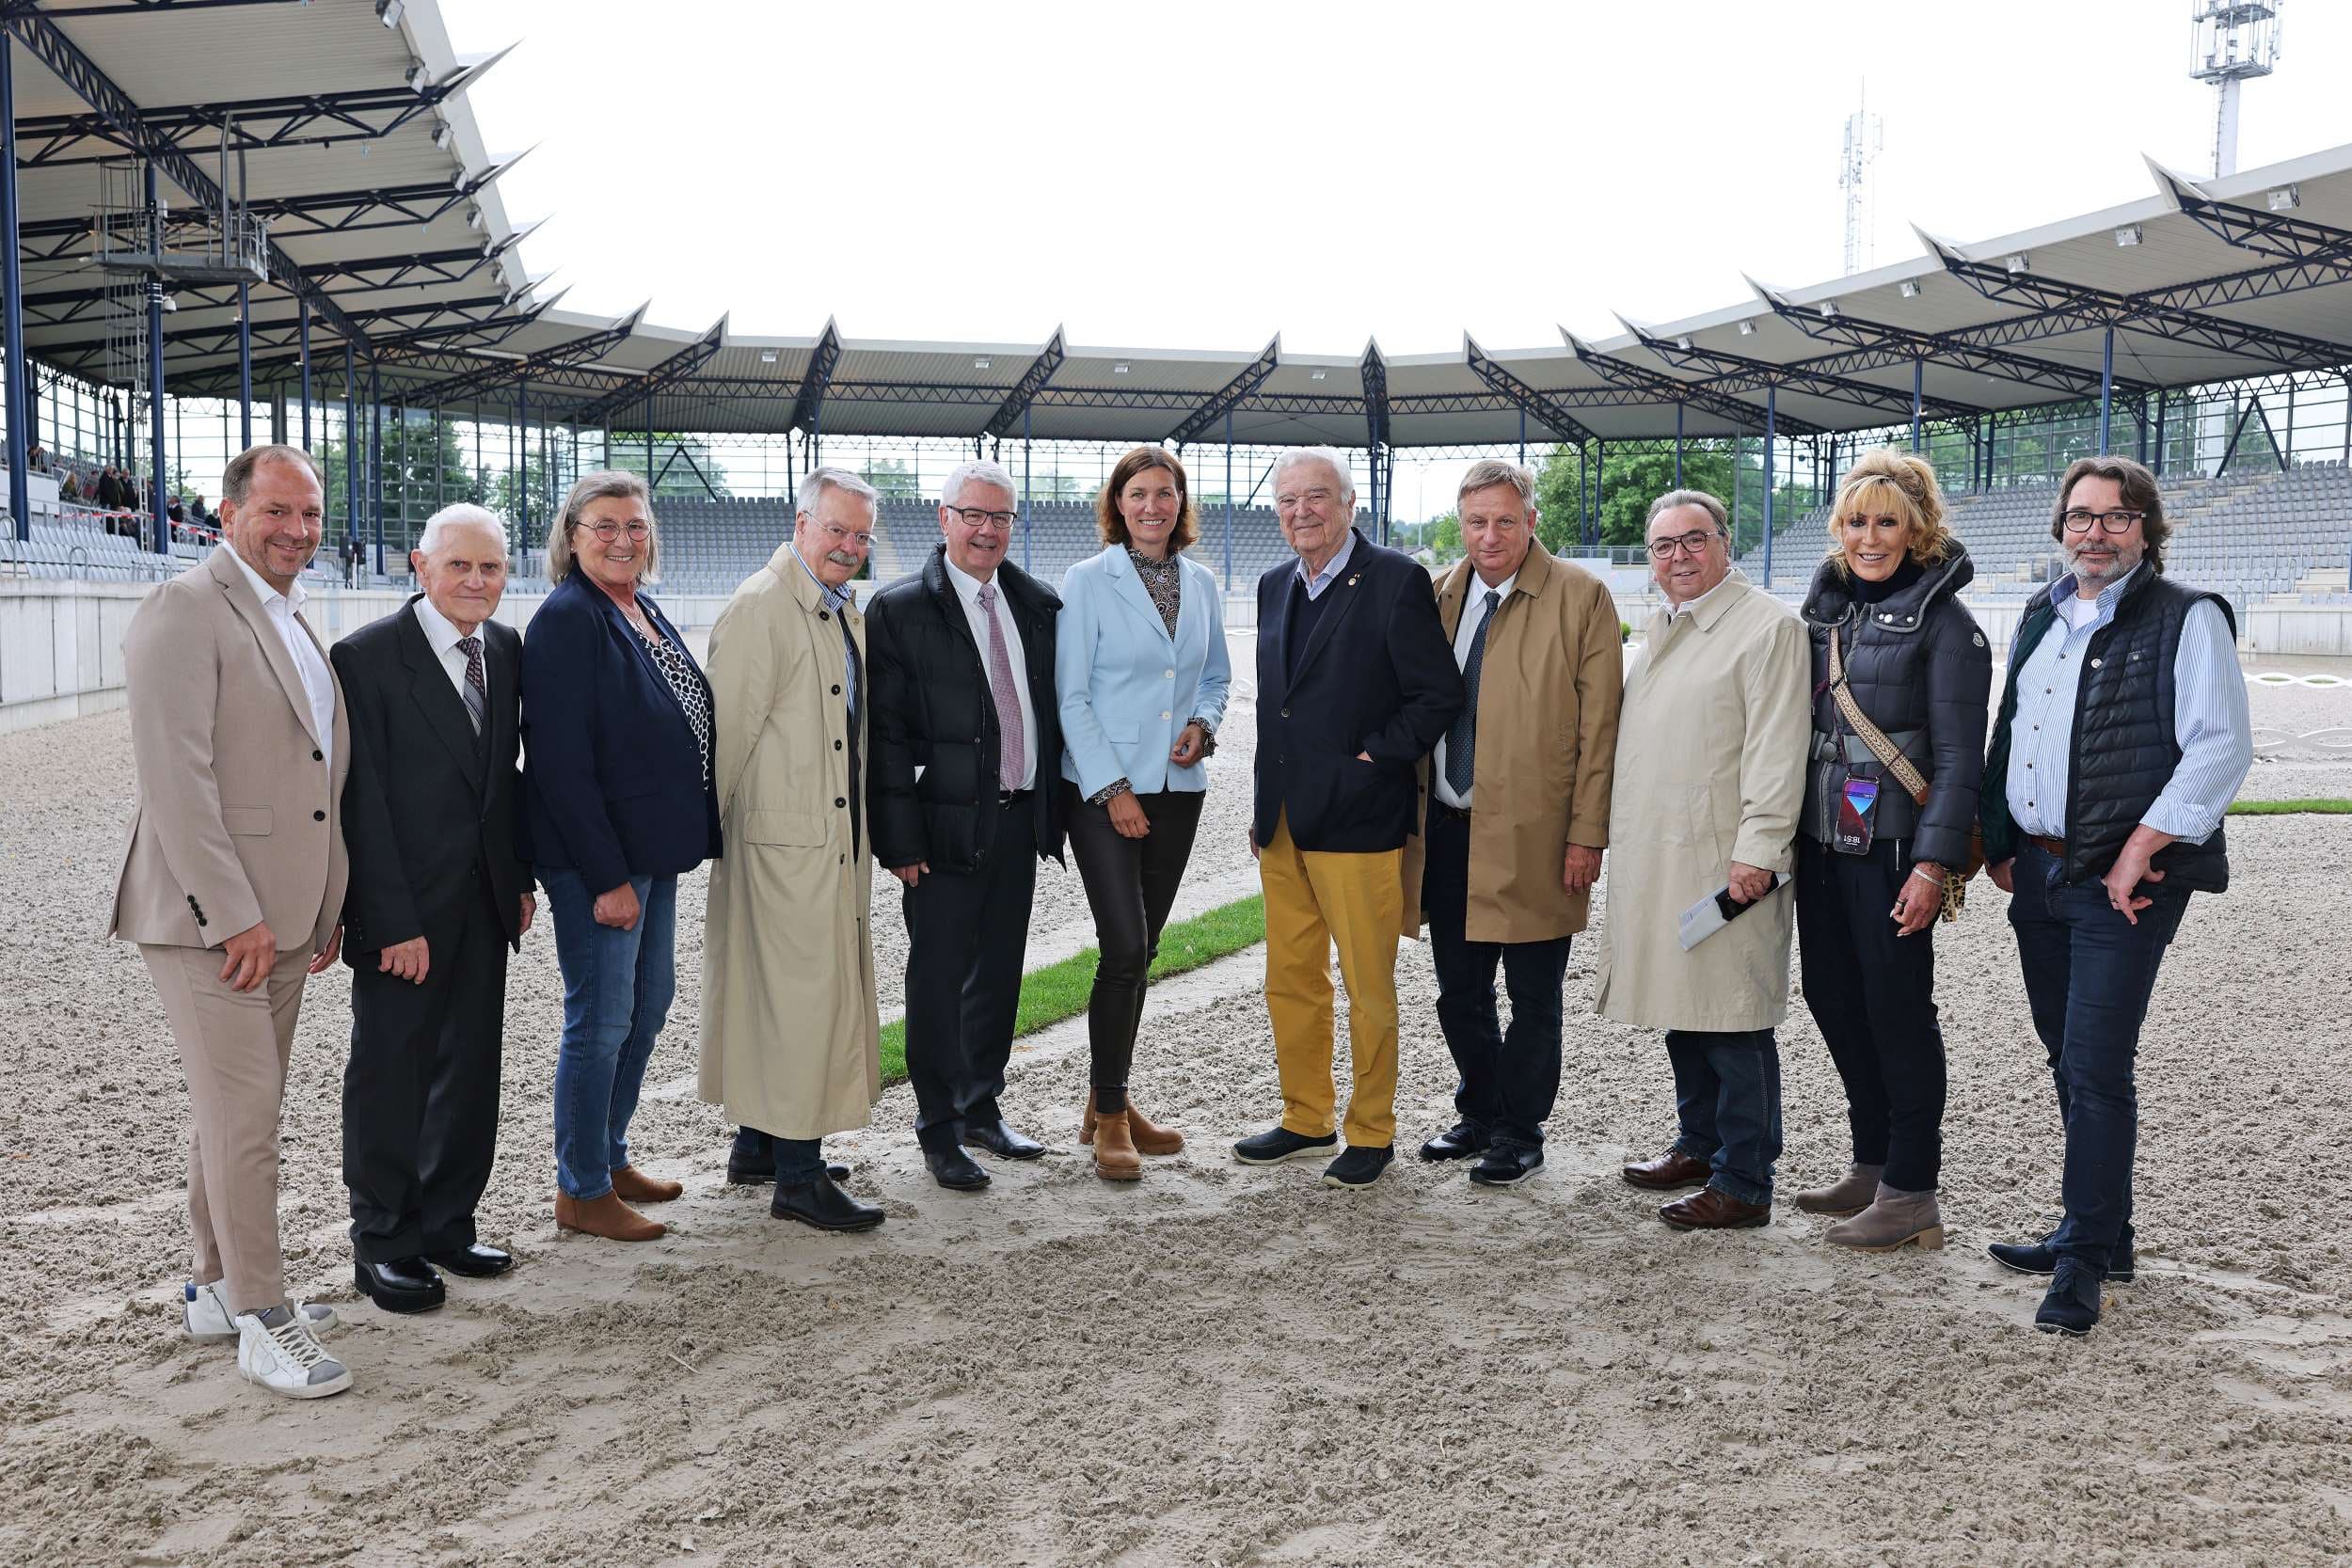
[[1870, 862]]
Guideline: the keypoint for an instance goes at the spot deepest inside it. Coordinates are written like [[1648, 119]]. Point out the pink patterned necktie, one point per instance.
[[1010, 734]]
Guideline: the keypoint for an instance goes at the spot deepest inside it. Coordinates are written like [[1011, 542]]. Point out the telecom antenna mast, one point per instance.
[[2230, 42], [1864, 136]]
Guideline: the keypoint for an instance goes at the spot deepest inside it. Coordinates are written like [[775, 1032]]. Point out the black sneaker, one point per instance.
[[1508, 1165], [1462, 1141], [1358, 1166], [1279, 1143]]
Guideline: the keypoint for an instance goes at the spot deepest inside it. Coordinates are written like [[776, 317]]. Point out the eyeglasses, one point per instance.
[[609, 530], [2079, 520], [1291, 500], [974, 516], [1692, 544], [843, 536]]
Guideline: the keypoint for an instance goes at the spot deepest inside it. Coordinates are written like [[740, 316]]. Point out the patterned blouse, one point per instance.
[[686, 685], [1164, 580]]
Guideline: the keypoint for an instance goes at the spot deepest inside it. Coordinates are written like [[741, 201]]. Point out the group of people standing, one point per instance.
[[1461, 753]]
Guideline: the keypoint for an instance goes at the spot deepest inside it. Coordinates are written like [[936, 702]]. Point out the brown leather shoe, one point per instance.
[[1670, 1171], [1712, 1209], [1149, 1138], [635, 1186], [1115, 1156], [606, 1216]]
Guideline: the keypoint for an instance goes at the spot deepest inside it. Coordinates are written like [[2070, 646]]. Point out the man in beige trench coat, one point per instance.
[[791, 1042], [1711, 776]]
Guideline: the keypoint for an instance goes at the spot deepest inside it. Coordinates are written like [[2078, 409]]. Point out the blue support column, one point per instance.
[[245, 365], [375, 459], [156, 477], [1678, 443], [2163, 396], [522, 457], [1919, 398], [1522, 438], [302, 315], [19, 380], [2107, 389], [1026, 523], [1376, 495], [351, 457], [1771, 418], [787, 448], [1229, 498]]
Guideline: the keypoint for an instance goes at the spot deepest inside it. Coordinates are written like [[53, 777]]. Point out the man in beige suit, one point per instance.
[[1711, 777], [791, 1042], [232, 882]]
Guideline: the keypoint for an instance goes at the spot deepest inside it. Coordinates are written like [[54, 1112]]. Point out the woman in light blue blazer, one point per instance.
[[1141, 672]]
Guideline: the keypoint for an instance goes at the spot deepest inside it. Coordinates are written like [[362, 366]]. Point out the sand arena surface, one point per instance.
[[1216, 1365]]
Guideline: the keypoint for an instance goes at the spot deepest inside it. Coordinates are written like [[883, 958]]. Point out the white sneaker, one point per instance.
[[205, 1311], [286, 1359]]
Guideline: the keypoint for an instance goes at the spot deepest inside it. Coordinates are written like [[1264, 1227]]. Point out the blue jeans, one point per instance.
[[795, 1159], [1728, 1098], [2089, 974], [617, 987]]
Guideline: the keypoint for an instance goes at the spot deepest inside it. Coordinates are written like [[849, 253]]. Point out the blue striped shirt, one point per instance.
[[2210, 720], [838, 601]]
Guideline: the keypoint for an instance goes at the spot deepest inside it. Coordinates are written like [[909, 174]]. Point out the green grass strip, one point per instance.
[[1060, 991], [2291, 808]]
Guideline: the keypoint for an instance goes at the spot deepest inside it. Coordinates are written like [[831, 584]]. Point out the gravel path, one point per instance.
[[1217, 1364]]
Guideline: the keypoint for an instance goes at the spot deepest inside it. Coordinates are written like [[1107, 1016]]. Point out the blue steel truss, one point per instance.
[[1878, 345], [808, 404], [668, 374], [1017, 401], [1545, 407], [1374, 372], [1232, 395], [1698, 394], [1736, 373], [531, 367]]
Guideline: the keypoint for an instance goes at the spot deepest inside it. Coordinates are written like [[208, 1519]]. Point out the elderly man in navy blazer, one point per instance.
[[1356, 684]]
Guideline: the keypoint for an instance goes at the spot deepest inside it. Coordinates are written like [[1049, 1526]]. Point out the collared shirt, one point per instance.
[[1317, 581], [441, 633], [837, 600], [318, 682], [2210, 721], [968, 590], [1673, 609], [1473, 610]]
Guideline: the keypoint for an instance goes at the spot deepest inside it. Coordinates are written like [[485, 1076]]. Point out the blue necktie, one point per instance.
[[1461, 741]]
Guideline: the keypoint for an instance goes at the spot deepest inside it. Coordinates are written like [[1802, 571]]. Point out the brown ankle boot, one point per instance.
[[1115, 1156], [606, 1216], [1149, 1137], [635, 1186]]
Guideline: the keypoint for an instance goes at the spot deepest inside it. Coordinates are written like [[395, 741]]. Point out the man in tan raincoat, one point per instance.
[[790, 1041], [1711, 776]]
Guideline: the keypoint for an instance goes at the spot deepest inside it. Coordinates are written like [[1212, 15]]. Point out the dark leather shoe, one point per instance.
[[1507, 1166], [2072, 1308], [825, 1206], [1001, 1140], [1460, 1143], [2037, 1258], [400, 1285], [475, 1262], [1670, 1171], [954, 1169], [1713, 1209], [1279, 1143]]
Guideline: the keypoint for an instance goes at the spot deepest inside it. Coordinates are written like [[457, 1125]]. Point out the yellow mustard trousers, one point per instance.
[[1313, 899]]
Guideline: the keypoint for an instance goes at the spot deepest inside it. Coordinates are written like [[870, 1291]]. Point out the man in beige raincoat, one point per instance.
[[790, 1041], [1709, 779]]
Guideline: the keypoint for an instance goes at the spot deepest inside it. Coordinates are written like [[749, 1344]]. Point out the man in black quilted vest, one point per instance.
[[2122, 740]]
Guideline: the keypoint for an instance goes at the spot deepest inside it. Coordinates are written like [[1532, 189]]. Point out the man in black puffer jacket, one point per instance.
[[967, 740], [1870, 861], [2123, 737]]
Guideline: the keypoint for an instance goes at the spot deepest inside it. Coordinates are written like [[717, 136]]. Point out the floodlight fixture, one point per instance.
[[474, 220], [981, 362], [1747, 330], [1118, 367], [2128, 235], [1909, 288], [1683, 342], [1318, 375], [441, 135], [2286, 199], [420, 79], [766, 357], [1829, 309], [388, 12], [2017, 261]]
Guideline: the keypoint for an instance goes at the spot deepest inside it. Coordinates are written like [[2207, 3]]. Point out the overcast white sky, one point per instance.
[[1203, 176]]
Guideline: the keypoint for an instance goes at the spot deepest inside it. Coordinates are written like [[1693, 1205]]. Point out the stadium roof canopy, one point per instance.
[[350, 118]]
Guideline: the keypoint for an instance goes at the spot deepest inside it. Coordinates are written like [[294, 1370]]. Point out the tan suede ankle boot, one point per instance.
[[606, 1216], [1115, 1156], [1149, 1138], [1849, 1195], [635, 1186], [1893, 1220]]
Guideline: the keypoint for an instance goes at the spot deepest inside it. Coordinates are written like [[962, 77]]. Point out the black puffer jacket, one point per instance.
[[931, 710], [1918, 665]]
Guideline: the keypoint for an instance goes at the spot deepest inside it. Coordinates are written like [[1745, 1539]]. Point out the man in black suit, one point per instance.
[[1356, 684], [962, 655], [439, 893]]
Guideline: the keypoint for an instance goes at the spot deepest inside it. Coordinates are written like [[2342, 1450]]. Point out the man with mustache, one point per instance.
[[2123, 738], [791, 1042]]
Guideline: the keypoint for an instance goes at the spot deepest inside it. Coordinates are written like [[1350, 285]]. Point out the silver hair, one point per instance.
[[457, 514], [978, 468], [1700, 499], [1487, 472], [1327, 456], [817, 481]]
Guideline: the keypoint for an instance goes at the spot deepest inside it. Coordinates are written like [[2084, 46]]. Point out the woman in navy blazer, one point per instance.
[[617, 801], [1141, 672]]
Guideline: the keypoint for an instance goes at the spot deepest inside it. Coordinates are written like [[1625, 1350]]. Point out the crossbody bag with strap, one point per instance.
[[1891, 757]]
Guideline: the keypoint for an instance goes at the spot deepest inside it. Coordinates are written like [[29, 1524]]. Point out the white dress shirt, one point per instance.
[[443, 635], [1673, 609], [318, 682], [968, 589], [1473, 610]]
